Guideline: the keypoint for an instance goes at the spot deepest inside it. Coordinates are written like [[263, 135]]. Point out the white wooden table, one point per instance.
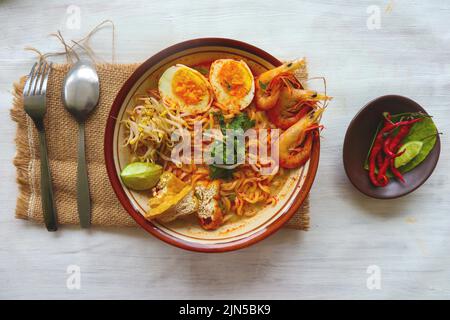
[[405, 241]]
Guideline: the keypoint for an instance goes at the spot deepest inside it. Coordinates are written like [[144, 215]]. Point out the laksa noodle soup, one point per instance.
[[212, 142]]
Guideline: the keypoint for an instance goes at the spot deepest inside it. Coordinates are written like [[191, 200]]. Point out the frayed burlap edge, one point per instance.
[[22, 159]]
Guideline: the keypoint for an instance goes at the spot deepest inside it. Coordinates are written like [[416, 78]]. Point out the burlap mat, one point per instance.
[[61, 131]]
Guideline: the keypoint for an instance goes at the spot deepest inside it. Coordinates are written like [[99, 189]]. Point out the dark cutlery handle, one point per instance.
[[48, 203], [83, 198]]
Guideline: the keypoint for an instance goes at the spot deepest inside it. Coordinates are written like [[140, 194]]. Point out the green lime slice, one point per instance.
[[141, 175], [412, 149]]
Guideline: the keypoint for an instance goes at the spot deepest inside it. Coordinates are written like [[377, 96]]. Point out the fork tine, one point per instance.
[[26, 89], [43, 83], [40, 79], [37, 78]]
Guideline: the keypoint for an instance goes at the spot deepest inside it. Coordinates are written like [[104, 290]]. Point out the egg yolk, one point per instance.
[[234, 78], [188, 86]]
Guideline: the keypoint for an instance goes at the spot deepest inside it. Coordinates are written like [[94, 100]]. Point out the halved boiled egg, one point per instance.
[[187, 88], [232, 83]]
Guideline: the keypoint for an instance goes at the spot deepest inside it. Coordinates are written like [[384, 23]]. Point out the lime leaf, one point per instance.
[[410, 150], [141, 175], [426, 132]]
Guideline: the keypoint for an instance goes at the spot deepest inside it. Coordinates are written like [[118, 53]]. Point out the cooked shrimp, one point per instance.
[[292, 105], [269, 84], [295, 143]]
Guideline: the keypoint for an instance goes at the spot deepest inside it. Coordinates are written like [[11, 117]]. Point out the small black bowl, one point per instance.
[[359, 137]]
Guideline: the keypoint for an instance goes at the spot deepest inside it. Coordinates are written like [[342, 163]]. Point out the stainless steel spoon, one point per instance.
[[80, 95]]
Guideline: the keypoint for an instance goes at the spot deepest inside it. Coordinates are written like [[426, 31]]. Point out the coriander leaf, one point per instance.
[[241, 121]]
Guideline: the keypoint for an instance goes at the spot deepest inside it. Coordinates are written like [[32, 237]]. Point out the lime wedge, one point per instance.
[[141, 175], [412, 149]]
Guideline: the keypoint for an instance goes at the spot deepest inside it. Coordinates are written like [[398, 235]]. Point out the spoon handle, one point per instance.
[[83, 198], [48, 203]]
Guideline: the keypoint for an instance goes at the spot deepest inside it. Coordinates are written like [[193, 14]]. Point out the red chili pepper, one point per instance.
[[395, 145], [378, 146], [375, 153], [392, 126], [376, 149], [386, 149], [380, 159], [381, 177], [402, 133], [382, 169], [396, 172], [380, 156]]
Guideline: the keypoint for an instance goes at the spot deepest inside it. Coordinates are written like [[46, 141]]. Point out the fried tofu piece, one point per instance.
[[172, 198], [209, 211], [187, 206]]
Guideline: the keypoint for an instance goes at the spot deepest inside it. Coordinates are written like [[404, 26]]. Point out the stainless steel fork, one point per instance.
[[34, 94]]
